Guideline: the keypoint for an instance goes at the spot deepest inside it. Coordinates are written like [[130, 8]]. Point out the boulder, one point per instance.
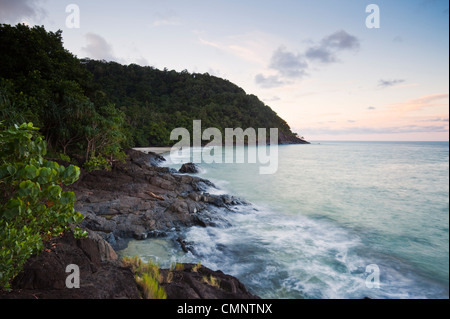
[[189, 168], [101, 273], [199, 282]]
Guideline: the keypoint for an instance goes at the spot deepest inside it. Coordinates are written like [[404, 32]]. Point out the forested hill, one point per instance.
[[92, 110], [157, 101]]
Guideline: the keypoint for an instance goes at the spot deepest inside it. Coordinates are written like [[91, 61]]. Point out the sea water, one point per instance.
[[337, 220]]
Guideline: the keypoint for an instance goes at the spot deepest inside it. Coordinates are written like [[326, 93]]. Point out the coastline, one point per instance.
[[137, 200], [155, 150]]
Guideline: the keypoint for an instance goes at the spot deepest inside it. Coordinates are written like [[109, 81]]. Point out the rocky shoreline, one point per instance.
[[137, 200]]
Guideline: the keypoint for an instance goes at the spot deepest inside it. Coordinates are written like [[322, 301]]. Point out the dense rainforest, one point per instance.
[[157, 101], [91, 110]]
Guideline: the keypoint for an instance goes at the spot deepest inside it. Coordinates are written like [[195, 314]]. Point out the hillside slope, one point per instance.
[[157, 101]]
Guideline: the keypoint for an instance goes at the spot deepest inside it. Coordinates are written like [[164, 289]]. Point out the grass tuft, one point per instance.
[[212, 281], [147, 276]]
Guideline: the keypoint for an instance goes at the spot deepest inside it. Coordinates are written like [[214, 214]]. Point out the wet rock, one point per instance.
[[101, 273], [185, 246], [189, 168], [137, 197], [199, 282]]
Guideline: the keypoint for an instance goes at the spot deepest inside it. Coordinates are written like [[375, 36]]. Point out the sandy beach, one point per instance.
[[157, 150]]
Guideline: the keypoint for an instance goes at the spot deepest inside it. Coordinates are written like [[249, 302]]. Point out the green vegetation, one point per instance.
[[147, 277], [155, 102], [176, 266], [33, 206], [92, 110], [43, 83]]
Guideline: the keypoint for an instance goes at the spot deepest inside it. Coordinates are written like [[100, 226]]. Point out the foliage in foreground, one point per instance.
[[33, 206], [43, 83]]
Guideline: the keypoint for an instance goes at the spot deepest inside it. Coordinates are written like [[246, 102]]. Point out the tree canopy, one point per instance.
[[90, 110], [43, 83], [157, 101]]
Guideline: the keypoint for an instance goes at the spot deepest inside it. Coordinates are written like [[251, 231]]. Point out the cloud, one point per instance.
[[14, 11], [397, 39], [97, 48], [246, 46], [288, 64], [436, 119], [341, 40], [328, 48], [423, 102], [389, 83], [268, 82], [292, 65], [166, 19], [142, 61], [371, 108], [321, 54], [361, 130], [272, 99]]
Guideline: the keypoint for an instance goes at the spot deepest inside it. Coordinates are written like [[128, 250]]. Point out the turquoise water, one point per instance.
[[331, 210]]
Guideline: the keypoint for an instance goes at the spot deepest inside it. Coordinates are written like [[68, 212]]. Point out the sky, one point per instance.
[[333, 69]]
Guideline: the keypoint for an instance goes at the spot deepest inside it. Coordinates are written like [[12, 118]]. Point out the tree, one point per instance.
[[43, 83], [104, 136], [33, 206]]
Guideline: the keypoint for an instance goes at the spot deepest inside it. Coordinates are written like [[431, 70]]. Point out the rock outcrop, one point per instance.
[[189, 168], [290, 139], [101, 273], [137, 200], [193, 282]]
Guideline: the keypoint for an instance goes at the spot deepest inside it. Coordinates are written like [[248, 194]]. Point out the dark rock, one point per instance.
[[189, 168], [142, 159], [207, 218], [101, 274], [185, 246], [290, 139], [157, 234], [194, 282], [98, 223], [136, 198]]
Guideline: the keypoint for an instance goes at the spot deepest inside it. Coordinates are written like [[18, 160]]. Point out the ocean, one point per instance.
[[337, 220]]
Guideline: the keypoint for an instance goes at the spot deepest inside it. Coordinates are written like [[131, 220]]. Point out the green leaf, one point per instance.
[[27, 188], [3, 172], [50, 164], [71, 175], [68, 198], [45, 175], [13, 208], [31, 171], [11, 169], [54, 191]]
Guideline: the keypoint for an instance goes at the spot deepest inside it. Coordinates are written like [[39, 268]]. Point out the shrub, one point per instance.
[[64, 157], [33, 206], [97, 163], [147, 276]]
